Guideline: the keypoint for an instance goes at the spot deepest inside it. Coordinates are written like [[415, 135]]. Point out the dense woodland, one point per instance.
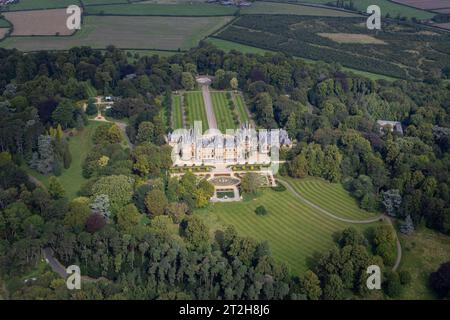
[[133, 227]]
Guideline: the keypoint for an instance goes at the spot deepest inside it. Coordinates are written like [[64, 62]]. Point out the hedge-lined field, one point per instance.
[[261, 7], [177, 112], [294, 231], [150, 9], [330, 196], [42, 4], [165, 33], [241, 108], [195, 109], [222, 111]]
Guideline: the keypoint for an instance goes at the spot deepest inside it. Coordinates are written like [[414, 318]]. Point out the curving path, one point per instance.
[[333, 216]]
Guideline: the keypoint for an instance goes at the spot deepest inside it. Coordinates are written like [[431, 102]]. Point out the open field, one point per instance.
[[99, 2], [425, 4], [42, 4], [443, 10], [71, 179], [352, 38], [284, 8], [177, 112], [443, 25], [164, 33], [330, 196], [222, 111], [423, 252], [145, 9], [241, 108], [386, 6], [294, 231], [195, 109], [39, 22], [3, 32]]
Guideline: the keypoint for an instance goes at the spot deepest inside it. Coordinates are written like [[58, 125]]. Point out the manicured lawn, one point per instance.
[[285, 8], [72, 178], [330, 196], [165, 33], [423, 252], [150, 9], [241, 108], [91, 91], [177, 112], [222, 111], [42, 4], [294, 231], [195, 108]]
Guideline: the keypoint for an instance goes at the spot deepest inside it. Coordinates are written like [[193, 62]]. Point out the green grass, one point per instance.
[[294, 231], [227, 46], [261, 7], [330, 196], [177, 112], [222, 111], [386, 6], [42, 4], [149, 53], [72, 178], [195, 107], [423, 252], [91, 91], [241, 108], [165, 33], [4, 23], [150, 9], [97, 2]]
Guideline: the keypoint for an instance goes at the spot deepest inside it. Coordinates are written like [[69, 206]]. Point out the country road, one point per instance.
[[331, 215]]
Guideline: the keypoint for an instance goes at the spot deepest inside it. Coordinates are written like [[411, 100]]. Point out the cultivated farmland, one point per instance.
[[127, 32], [284, 8], [39, 22], [195, 109], [294, 231], [177, 112], [3, 32], [145, 9], [99, 2], [425, 4], [223, 111]]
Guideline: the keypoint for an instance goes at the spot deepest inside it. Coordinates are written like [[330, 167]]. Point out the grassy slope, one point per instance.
[[71, 179], [329, 196], [294, 231], [222, 111], [162, 9], [423, 252], [284, 8], [42, 4], [196, 109], [177, 115]]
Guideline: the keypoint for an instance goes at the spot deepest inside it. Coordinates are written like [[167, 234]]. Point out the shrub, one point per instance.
[[261, 211]]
